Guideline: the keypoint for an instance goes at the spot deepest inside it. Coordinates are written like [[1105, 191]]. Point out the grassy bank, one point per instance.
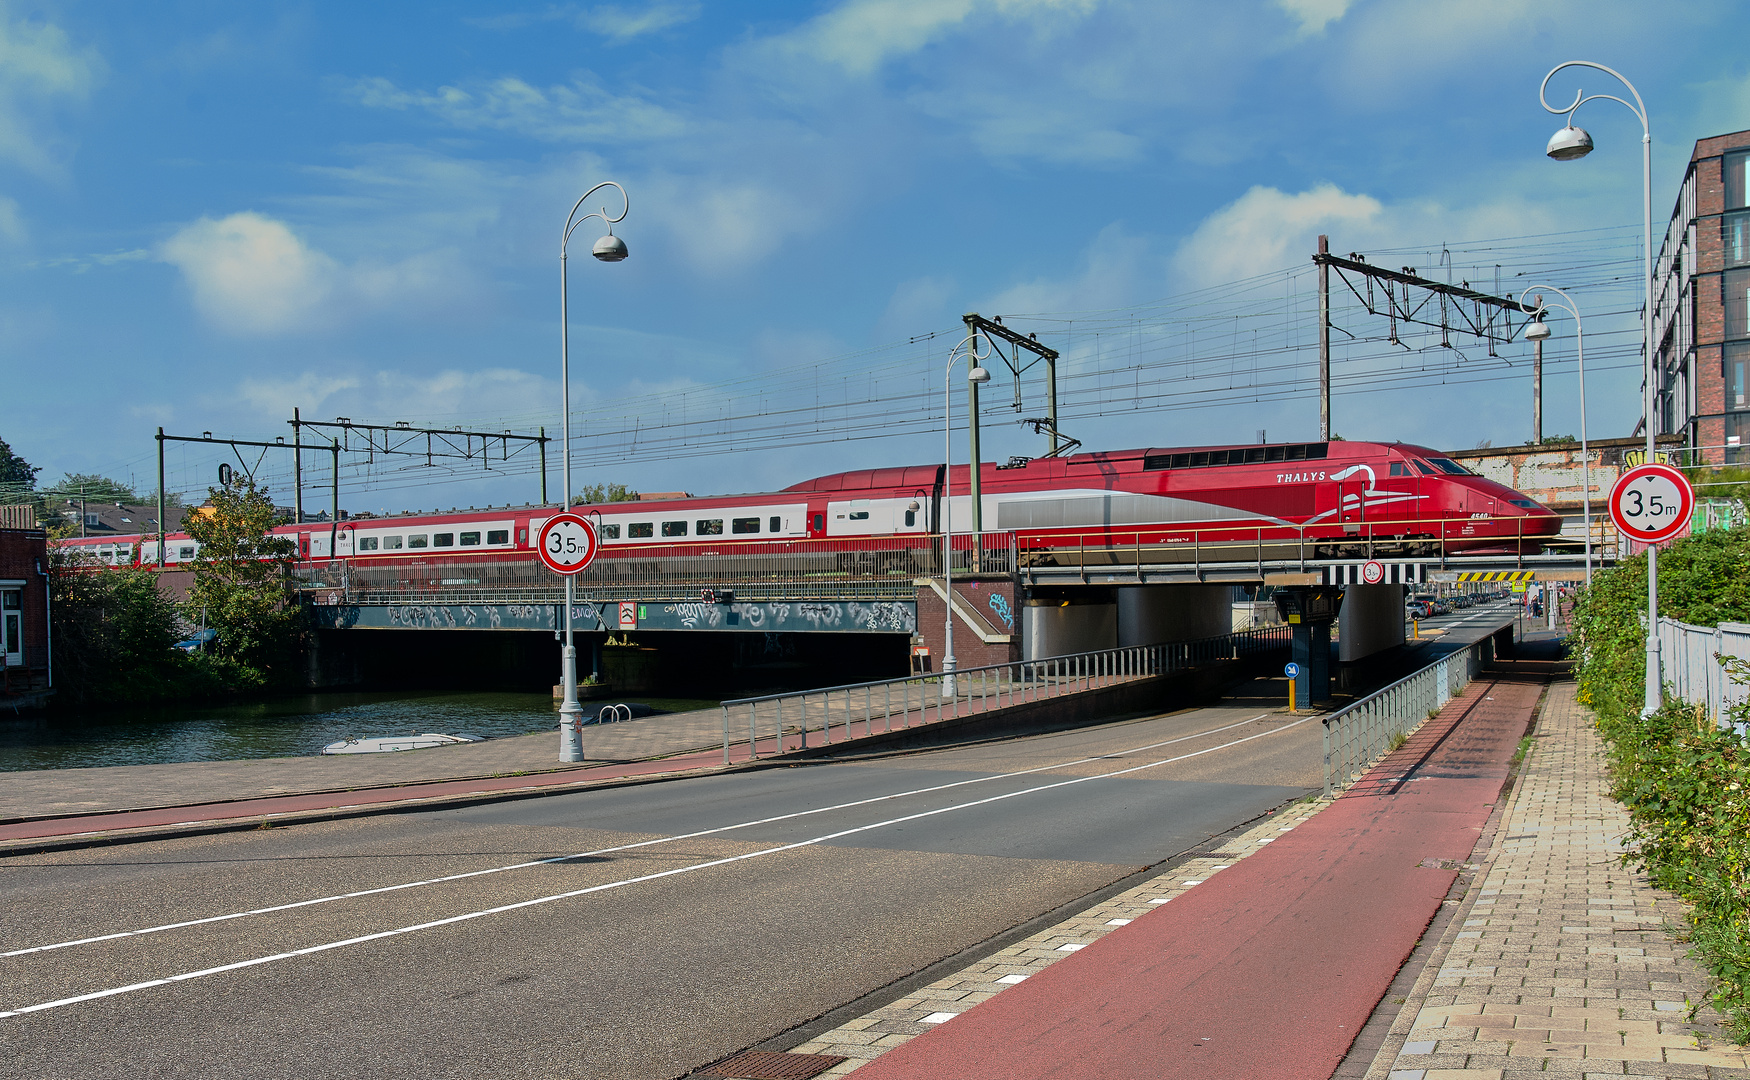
[[1685, 782]]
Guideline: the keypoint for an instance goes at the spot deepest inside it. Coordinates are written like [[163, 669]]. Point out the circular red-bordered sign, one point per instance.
[[566, 543], [1651, 503], [1372, 572]]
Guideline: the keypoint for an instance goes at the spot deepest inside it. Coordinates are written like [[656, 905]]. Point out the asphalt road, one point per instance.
[[638, 932]]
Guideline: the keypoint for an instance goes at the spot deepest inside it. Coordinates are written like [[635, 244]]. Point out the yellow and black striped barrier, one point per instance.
[[1497, 575]]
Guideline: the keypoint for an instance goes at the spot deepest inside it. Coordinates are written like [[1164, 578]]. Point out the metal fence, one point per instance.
[[1359, 734], [778, 722], [1690, 660], [881, 568]]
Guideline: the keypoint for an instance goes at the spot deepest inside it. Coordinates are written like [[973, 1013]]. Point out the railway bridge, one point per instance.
[[869, 603]]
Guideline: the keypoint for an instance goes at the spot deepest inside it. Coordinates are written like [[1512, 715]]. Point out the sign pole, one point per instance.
[[567, 544]]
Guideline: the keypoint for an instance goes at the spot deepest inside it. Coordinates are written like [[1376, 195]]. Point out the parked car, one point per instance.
[[1416, 609]]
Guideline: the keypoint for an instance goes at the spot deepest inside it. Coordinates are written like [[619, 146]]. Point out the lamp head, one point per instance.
[[978, 375], [1537, 331], [609, 248], [913, 506], [1569, 144]]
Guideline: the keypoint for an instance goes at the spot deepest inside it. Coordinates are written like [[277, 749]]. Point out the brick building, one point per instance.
[[24, 613], [1701, 304]]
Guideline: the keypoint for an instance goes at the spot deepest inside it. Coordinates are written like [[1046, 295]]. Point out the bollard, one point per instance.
[[1291, 689]]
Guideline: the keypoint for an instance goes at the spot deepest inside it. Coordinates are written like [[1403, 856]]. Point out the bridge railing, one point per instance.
[[1359, 734], [873, 568], [776, 723]]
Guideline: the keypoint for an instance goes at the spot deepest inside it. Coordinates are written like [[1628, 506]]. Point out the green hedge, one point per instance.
[[1685, 783]]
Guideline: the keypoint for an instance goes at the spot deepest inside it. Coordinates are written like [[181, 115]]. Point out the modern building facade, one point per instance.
[[1701, 305]]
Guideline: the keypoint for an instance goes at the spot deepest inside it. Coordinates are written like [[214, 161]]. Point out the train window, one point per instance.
[[185, 553], [417, 540], [1523, 504], [640, 529], [745, 525], [774, 525], [498, 536], [1450, 467], [819, 522], [367, 543], [859, 515], [1423, 467], [1254, 453], [522, 536], [674, 528], [610, 532], [1398, 468], [911, 518], [709, 527], [391, 543], [443, 539], [470, 539]]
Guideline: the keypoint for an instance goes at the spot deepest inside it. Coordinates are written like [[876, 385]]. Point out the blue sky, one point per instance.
[[212, 213]]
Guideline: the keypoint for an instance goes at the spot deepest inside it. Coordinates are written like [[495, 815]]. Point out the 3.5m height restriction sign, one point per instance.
[[1651, 503], [566, 544]]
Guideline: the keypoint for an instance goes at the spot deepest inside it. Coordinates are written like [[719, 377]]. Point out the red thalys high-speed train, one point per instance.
[[1336, 497]]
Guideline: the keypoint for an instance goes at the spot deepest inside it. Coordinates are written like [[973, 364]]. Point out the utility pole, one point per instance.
[[975, 487], [160, 498], [297, 471], [1537, 391], [1324, 340]]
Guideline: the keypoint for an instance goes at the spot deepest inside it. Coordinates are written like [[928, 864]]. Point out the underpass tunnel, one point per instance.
[[1061, 621]]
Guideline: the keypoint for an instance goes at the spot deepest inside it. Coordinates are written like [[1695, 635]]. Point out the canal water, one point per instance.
[[282, 727]]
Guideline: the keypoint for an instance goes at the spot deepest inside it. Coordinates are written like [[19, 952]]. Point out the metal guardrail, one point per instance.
[[918, 700], [881, 568], [1360, 733], [1690, 659]]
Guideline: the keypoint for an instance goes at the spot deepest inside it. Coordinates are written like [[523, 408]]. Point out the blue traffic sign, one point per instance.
[[1292, 671]]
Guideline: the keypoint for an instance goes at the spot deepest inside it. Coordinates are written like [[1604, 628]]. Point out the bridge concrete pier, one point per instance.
[[1058, 621], [1371, 621]]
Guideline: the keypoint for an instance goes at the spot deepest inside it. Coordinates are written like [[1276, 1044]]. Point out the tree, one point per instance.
[[113, 631], [15, 471], [593, 494], [242, 581], [93, 488]]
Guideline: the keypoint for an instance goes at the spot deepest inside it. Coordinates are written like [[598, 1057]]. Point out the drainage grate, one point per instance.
[[764, 1065]]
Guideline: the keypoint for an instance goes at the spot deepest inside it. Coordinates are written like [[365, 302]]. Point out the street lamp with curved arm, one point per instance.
[[1539, 331], [974, 374], [1571, 143], [609, 248]]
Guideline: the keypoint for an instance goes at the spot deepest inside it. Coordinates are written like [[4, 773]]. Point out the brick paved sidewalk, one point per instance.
[[1562, 965]]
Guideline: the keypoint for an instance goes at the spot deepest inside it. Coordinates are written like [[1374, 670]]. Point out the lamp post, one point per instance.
[[975, 375], [609, 248], [1539, 332], [1570, 144]]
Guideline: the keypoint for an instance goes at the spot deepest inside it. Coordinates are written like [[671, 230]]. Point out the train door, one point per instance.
[[816, 519], [304, 546], [1352, 502], [11, 627]]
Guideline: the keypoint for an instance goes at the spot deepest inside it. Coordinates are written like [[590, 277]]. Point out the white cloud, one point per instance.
[[1117, 269], [251, 275], [389, 396], [859, 36], [38, 64], [581, 111], [622, 24], [11, 223], [1314, 15], [1266, 229]]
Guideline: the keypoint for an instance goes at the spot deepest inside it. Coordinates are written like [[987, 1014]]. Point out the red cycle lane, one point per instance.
[[1269, 968]]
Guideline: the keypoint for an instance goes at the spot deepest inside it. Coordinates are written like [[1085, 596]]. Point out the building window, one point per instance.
[[1737, 180], [1735, 239], [1737, 438], [674, 528], [1736, 286], [498, 536], [640, 530], [470, 539], [1737, 376], [745, 525]]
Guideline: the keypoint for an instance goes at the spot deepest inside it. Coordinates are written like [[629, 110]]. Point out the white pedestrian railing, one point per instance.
[[1360, 733], [777, 723], [1690, 658]]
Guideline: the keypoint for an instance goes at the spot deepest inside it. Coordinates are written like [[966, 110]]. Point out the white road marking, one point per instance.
[[293, 905], [606, 886]]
